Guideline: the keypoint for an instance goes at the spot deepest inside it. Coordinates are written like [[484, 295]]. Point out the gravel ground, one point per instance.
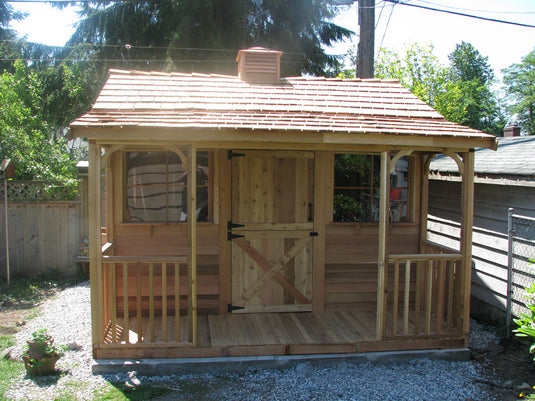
[[67, 318]]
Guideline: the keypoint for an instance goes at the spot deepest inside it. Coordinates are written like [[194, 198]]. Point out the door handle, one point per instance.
[[310, 212]]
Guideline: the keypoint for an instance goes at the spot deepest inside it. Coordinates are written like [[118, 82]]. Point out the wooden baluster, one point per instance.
[[164, 302], [177, 302], [417, 291], [126, 303], [395, 301], [138, 304], [406, 300], [440, 295], [451, 270], [429, 294], [151, 301], [113, 302]]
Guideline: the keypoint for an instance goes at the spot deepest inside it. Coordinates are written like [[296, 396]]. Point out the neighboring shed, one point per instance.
[[503, 179], [259, 215]]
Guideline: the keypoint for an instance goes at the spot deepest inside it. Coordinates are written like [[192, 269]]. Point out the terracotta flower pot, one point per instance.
[[36, 350], [41, 367]]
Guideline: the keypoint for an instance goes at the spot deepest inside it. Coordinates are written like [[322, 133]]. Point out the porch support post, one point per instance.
[[424, 198], [192, 244], [95, 245], [467, 220], [382, 261]]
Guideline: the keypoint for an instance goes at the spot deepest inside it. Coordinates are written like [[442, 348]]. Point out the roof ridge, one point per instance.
[[116, 71]]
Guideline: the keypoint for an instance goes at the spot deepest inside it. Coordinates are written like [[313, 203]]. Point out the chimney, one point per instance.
[[511, 130], [259, 65]]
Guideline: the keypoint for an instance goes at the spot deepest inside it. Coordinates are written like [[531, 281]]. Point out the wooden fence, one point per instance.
[[43, 231], [489, 243]]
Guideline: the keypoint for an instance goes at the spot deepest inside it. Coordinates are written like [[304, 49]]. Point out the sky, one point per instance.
[[397, 26]]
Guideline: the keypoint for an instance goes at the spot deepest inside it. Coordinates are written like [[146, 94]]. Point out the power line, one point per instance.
[[481, 11], [96, 46], [462, 14], [387, 23]]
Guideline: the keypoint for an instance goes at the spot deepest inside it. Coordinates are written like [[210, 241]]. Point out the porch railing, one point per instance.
[[136, 287], [423, 296]]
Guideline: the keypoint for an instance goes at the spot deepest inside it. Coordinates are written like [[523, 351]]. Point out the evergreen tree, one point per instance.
[[204, 36]]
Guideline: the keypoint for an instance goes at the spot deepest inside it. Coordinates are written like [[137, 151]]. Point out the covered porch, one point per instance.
[[420, 311]]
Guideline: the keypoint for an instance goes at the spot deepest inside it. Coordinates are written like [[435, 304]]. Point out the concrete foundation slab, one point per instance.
[[179, 366]]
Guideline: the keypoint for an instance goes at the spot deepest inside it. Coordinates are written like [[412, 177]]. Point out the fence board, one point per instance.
[[41, 236]]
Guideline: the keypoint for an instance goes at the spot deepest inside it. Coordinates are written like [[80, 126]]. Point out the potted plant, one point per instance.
[[41, 355]]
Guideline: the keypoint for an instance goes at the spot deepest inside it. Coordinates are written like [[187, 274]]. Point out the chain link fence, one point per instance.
[[521, 264]]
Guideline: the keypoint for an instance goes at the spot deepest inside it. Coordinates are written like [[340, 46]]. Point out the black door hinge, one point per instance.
[[231, 236], [233, 308], [313, 234], [231, 225], [232, 154]]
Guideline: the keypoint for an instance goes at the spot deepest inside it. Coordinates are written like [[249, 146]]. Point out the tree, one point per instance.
[[519, 80], [25, 136], [471, 74], [7, 14], [420, 71], [461, 92], [205, 35]]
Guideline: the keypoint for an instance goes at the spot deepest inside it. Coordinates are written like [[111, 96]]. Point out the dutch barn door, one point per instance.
[[271, 231]]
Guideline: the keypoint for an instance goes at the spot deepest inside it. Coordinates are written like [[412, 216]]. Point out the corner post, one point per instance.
[[467, 220], [192, 244], [382, 261], [95, 246]]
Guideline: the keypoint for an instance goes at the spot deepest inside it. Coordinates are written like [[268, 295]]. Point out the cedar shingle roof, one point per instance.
[[308, 104]]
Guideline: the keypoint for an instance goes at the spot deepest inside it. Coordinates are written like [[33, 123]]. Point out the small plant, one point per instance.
[[41, 355], [526, 322]]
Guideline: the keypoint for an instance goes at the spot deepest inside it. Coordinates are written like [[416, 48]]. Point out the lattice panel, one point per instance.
[[40, 191]]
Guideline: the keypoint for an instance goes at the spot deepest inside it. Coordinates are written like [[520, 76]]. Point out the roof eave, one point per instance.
[[227, 135]]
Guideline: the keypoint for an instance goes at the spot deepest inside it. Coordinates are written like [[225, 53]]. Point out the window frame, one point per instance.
[[125, 219], [409, 201]]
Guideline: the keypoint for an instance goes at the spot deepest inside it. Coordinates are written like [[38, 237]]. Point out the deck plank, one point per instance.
[[271, 334]]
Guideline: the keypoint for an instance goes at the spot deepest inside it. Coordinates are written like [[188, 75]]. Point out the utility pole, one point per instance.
[[366, 49]]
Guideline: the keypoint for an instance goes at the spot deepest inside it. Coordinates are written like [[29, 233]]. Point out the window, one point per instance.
[[156, 187], [357, 188]]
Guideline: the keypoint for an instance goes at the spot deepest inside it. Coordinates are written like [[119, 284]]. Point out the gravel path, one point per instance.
[[67, 318]]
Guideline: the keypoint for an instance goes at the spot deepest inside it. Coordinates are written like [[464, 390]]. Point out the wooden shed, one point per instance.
[[260, 215]]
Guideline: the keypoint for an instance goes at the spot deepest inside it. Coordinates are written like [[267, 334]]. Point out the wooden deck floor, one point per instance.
[[263, 334]]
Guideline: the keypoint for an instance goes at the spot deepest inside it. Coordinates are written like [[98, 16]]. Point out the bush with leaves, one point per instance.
[[526, 322]]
